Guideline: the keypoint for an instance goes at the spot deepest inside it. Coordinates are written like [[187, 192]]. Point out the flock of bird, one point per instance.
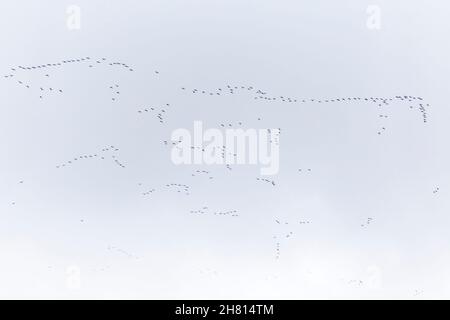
[[266, 181], [414, 102], [368, 221], [285, 231], [42, 85], [121, 251], [206, 211], [159, 111], [202, 173], [103, 154], [178, 188], [356, 282], [115, 92]]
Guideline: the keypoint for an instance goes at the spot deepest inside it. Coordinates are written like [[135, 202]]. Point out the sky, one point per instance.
[[92, 205]]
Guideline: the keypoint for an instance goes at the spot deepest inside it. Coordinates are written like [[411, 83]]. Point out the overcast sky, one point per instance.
[[358, 209]]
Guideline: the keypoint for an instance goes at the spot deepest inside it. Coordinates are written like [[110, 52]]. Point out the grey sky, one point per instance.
[[93, 215]]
